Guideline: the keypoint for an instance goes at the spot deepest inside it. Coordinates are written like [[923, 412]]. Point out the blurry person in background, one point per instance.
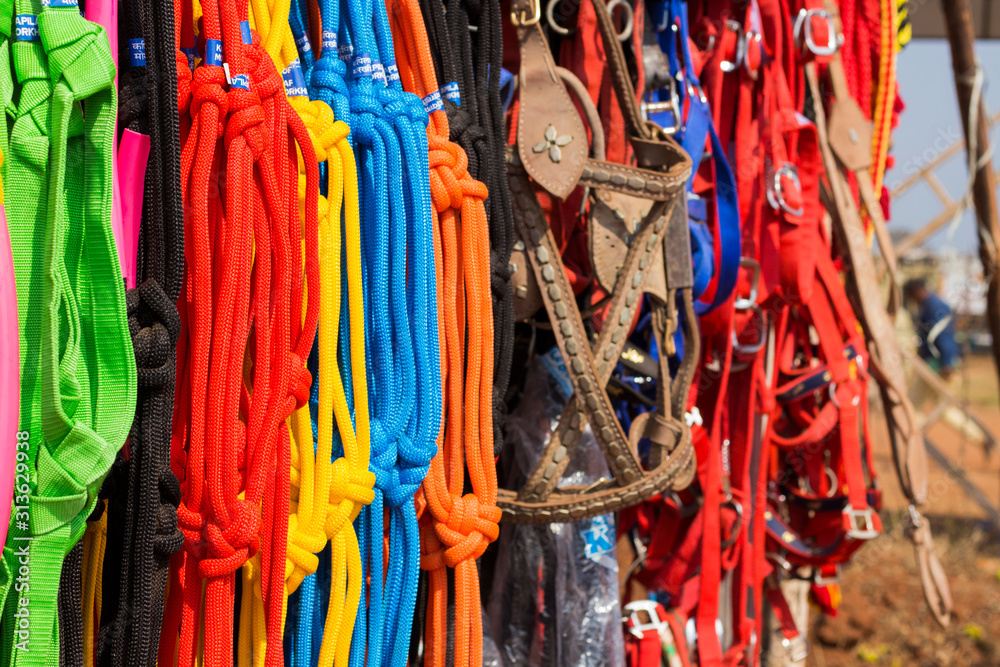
[[935, 327]]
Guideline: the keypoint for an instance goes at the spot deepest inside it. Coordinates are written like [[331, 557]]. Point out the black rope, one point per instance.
[[467, 46], [142, 521], [70, 601]]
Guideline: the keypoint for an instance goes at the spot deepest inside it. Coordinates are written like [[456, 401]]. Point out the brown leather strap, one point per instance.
[[537, 503], [886, 361], [551, 139]]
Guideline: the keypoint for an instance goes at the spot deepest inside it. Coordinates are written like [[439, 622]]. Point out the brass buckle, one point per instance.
[[519, 19]]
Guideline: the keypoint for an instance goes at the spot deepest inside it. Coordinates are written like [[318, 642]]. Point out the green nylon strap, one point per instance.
[[87, 379], [26, 193]]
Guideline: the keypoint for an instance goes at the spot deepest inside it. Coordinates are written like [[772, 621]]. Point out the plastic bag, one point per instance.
[[555, 587]]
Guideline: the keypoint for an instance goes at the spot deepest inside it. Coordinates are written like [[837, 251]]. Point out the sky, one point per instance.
[[930, 124]]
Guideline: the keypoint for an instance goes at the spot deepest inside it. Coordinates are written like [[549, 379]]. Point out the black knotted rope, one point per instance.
[[142, 512]]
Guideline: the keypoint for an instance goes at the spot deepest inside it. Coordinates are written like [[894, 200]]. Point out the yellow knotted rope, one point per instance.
[[327, 497]]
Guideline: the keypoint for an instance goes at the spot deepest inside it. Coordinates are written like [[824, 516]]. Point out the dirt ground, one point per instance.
[[883, 618]]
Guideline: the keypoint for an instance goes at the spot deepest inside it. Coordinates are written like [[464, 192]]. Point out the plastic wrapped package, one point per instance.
[[555, 587]]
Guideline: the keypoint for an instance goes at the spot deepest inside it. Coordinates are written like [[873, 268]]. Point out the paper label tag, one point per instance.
[[137, 52], [26, 28], [378, 72], [59, 3], [192, 55], [302, 44], [361, 66], [433, 102], [392, 73], [245, 32], [330, 41], [295, 80], [451, 93], [241, 81], [213, 52]]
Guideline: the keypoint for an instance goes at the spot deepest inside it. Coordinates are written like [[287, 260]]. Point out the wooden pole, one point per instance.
[[961, 37]]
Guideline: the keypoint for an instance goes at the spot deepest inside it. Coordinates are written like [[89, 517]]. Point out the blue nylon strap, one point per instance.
[[693, 135]]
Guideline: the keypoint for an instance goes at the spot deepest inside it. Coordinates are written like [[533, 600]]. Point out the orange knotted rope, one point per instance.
[[459, 526]]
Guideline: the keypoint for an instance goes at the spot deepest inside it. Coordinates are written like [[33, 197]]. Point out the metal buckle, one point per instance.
[[731, 65], [833, 397], [737, 525], [749, 302], [755, 347], [519, 19], [673, 105], [803, 29], [648, 606], [691, 631], [797, 647], [776, 191], [860, 523], [820, 580]]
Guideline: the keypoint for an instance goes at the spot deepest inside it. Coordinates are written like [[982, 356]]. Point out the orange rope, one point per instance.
[[458, 527], [885, 93]]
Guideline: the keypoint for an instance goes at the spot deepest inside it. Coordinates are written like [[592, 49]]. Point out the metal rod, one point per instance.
[[961, 34]]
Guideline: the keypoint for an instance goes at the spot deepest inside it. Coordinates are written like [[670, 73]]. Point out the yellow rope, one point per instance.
[[94, 541], [326, 497]]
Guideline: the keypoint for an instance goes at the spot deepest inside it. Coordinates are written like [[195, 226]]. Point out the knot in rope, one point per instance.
[[247, 121], [383, 458], [300, 381], [206, 86], [169, 538], [183, 83], [230, 548], [351, 488], [469, 529]]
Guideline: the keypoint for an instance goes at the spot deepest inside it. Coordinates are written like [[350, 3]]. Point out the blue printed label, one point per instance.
[[241, 81], [295, 81], [302, 44], [361, 66], [392, 73], [192, 55], [556, 367], [344, 52], [26, 27], [599, 540], [378, 72], [433, 102], [330, 41], [213, 52], [59, 3], [451, 93], [245, 32], [137, 52]]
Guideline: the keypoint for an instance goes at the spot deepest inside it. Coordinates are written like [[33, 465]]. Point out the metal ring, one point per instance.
[[550, 16], [627, 32]]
